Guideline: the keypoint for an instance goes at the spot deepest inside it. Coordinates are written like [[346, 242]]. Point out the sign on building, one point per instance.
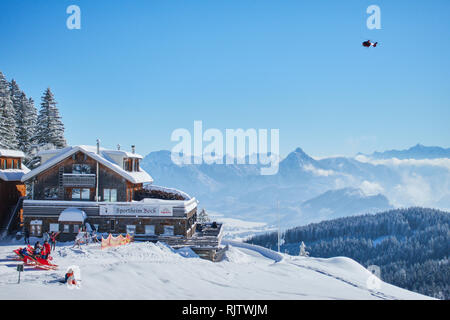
[[135, 210]]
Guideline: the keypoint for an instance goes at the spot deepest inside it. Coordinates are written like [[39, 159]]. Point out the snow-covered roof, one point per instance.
[[13, 174], [140, 176], [72, 215], [151, 187], [11, 153], [123, 153]]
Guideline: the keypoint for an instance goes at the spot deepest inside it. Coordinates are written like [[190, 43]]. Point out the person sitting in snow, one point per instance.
[[70, 277], [44, 254], [24, 252], [37, 248]]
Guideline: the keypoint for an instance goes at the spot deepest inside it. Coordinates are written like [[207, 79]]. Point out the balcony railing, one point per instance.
[[78, 180]]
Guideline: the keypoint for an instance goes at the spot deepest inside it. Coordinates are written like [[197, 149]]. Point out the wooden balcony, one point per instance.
[[79, 180]]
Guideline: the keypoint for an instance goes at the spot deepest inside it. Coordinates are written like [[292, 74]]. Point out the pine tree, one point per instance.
[[8, 137], [26, 123], [50, 128], [33, 160], [26, 117], [203, 217], [15, 94], [303, 251]]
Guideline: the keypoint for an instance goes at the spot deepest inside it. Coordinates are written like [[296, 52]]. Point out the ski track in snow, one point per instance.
[[277, 257]]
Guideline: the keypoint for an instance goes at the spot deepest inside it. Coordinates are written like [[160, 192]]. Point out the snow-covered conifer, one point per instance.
[[8, 135], [15, 94], [203, 217], [303, 251], [50, 128], [26, 123]]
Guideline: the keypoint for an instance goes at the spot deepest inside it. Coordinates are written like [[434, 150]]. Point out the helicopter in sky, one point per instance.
[[368, 44]]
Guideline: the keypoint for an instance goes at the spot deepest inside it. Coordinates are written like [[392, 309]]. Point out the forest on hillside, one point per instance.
[[23, 128], [411, 246]]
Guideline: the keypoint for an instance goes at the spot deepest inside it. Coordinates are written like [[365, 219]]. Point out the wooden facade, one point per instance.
[[11, 190], [48, 184], [71, 181], [40, 218], [10, 163], [10, 193]]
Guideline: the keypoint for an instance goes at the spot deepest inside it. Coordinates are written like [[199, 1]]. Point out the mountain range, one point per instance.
[[307, 190], [416, 152]]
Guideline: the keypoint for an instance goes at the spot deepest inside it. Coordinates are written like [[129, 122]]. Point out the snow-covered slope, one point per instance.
[[154, 271]]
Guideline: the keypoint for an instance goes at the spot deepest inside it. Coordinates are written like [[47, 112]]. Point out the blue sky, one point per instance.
[[137, 70]]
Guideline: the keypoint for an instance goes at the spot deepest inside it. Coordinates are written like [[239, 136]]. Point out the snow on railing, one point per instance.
[[261, 250]]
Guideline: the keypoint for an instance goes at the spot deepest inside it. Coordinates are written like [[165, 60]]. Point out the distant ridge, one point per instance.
[[418, 152]]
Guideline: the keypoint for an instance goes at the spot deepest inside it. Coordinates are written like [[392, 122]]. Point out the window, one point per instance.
[[150, 229], [168, 231], [110, 195], [112, 225], [76, 194], [54, 227], [131, 229], [81, 194], [66, 228], [128, 164], [81, 169], [51, 193], [76, 228], [85, 194], [36, 230], [136, 164]]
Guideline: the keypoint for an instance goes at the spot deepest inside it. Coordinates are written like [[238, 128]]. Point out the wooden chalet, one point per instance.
[[11, 187], [108, 191]]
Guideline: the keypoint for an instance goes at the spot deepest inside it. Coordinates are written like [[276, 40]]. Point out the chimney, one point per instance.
[[133, 149], [98, 146], [118, 147]]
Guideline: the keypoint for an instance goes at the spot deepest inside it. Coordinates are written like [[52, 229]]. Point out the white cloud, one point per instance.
[[421, 182], [414, 190], [394, 162], [319, 172], [371, 188]]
